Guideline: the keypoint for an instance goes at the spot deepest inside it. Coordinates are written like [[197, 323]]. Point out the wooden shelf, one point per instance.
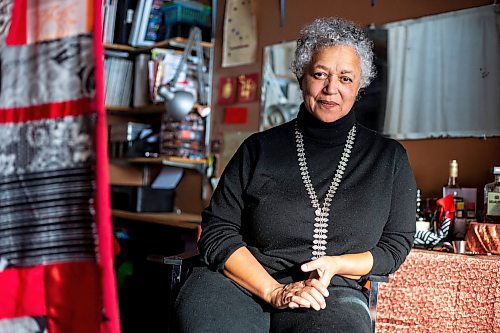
[[179, 42], [183, 220], [181, 162], [148, 109]]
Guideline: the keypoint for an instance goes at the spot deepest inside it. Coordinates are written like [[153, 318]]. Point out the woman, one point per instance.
[[304, 211]]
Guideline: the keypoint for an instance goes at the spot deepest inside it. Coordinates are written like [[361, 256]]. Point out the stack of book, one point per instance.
[[119, 71]]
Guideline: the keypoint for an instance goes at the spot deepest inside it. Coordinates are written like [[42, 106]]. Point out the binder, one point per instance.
[[124, 18]]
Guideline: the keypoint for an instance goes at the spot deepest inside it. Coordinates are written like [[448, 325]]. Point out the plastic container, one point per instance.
[[187, 13]]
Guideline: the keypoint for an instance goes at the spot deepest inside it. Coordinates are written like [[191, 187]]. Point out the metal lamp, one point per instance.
[[179, 102]]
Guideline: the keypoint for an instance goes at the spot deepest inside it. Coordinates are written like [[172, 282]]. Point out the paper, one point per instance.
[[168, 178], [239, 44]]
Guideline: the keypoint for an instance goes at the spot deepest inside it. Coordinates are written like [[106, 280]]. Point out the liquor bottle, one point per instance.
[[492, 198], [459, 223], [422, 223], [452, 186]]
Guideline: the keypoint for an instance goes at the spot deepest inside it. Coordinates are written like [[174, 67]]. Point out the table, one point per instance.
[[441, 292], [184, 220]]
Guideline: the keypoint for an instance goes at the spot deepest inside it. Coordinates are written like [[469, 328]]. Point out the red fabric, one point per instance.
[[73, 297], [441, 292], [76, 296], [25, 295], [17, 33], [483, 237], [46, 111], [103, 201], [447, 208]]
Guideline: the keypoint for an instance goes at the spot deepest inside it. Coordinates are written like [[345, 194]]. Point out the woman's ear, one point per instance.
[[361, 92]]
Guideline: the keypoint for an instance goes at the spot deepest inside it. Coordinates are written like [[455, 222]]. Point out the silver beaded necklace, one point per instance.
[[322, 212]]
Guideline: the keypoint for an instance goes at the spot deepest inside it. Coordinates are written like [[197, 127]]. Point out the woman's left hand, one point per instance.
[[351, 266], [323, 269]]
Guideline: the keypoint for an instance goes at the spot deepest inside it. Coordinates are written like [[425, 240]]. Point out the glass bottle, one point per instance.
[[452, 185], [492, 198], [421, 222], [459, 223]]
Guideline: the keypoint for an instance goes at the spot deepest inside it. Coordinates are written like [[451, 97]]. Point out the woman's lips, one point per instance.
[[327, 104]]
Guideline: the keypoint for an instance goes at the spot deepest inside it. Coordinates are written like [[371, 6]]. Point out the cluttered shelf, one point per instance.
[[146, 109], [173, 161], [176, 42], [183, 220]]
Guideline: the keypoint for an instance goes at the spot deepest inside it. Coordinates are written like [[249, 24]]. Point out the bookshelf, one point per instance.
[[176, 42], [199, 165], [139, 105]]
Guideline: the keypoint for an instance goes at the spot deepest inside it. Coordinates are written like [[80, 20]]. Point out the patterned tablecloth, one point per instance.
[[442, 292]]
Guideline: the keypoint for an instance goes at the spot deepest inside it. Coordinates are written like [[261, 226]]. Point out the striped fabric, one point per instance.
[[56, 268], [429, 238]]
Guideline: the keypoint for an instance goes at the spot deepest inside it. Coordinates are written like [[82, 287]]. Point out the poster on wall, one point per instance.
[[239, 43], [247, 88], [227, 90]]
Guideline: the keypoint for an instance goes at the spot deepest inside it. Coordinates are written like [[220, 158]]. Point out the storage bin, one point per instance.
[[189, 13]]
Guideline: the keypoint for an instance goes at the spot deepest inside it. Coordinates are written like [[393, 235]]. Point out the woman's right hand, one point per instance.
[[304, 294]]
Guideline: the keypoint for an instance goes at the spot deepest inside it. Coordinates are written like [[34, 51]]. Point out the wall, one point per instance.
[[429, 158]]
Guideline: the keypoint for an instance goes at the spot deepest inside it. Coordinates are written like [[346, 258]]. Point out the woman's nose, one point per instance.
[[330, 85]]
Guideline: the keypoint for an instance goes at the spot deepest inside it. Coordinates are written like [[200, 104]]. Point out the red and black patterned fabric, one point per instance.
[[56, 270]]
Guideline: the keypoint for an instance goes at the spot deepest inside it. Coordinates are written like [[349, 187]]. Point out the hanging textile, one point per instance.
[[56, 250]]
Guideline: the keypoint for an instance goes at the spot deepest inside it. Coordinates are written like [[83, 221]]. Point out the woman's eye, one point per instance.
[[345, 79], [320, 75]]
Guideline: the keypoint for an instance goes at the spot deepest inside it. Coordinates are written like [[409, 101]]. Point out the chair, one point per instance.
[[181, 265]]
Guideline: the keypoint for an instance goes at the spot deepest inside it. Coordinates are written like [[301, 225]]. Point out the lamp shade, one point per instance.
[[178, 103]]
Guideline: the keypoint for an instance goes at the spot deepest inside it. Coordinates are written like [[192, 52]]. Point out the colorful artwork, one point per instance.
[[227, 90], [247, 88]]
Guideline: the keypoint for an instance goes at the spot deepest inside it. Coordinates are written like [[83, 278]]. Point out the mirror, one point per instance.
[[281, 94], [438, 76]]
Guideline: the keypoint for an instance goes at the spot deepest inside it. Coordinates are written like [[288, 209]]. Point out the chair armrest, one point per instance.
[[178, 267], [373, 296], [378, 278], [176, 259]]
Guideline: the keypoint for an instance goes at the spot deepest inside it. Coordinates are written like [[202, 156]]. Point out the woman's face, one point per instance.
[[331, 82]]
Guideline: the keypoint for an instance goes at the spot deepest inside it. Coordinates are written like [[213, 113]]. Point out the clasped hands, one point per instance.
[[310, 293]]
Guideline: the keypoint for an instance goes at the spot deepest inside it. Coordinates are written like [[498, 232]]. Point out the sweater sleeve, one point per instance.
[[398, 234], [221, 220]]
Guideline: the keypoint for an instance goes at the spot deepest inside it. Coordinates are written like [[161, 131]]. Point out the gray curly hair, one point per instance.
[[332, 31]]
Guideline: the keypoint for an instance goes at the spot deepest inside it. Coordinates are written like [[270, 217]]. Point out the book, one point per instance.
[[124, 18], [151, 27], [109, 17], [136, 24], [141, 85]]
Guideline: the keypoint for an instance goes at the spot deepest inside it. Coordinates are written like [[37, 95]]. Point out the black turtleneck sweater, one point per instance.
[[261, 201]]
